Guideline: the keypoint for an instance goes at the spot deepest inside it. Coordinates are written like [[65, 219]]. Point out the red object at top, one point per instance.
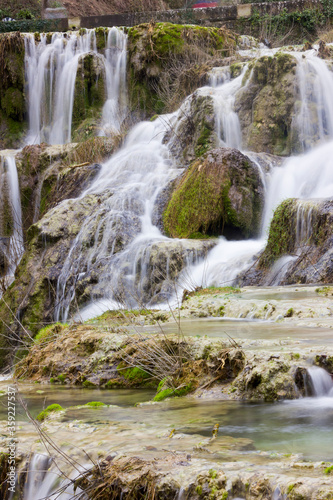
[[202, 5]]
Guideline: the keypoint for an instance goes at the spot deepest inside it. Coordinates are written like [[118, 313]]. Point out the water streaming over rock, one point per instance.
[[114, 110], [11, 230], [119, 228], [227, 123], [45, 480], [322, 382], [51, 70], [119, 240]]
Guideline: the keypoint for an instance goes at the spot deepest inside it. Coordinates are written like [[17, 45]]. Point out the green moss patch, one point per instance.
[[281, 240], [50, 409]]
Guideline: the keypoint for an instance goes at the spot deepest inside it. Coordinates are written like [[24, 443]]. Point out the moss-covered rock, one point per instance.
[[220, 194], [168, 61], [301, 229], [50, 409], [265, 105]]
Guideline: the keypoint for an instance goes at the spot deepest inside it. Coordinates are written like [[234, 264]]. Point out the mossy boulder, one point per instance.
[[266, 104], [50, 409], [167, 61], [220, 194]]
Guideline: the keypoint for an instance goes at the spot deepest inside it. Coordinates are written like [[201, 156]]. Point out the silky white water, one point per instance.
[[51, 70], [306, 176], [322, 382], [12, 241], [114, 110]]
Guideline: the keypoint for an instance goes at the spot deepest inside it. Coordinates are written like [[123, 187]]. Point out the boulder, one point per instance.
[[193, 133], [265, 104], [220, 194]]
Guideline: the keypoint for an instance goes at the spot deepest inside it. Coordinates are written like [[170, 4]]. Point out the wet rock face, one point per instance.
[[220, 194], [266, 103], [266, 378], [164, 262], [311, 247], [89, 96], [194, 132], [303, 382]]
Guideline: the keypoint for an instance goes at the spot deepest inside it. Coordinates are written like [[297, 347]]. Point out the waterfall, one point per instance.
[[51, 70], [44, 480], [313, 119], [127, 187], [11, 236], [114, 110], [309, 175], [322, 382], [228, 128]]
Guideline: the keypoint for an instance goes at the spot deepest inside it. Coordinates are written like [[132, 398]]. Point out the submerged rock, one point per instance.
[[220, 194]]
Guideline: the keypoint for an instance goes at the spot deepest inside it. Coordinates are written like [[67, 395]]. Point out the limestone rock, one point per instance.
[[265, 104], [193, 134]]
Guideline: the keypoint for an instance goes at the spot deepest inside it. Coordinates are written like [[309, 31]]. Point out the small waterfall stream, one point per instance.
[[322, 382], [11, 230]]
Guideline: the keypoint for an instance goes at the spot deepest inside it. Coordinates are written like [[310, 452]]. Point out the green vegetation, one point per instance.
[[281, 238], [302, 25], [165, 61], [133, 373], [164, 392], [328, 470], [50, 409], [95, 404], [49, 332]]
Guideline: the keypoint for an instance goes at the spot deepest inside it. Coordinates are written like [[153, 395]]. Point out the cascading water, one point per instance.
[[46, 481], [11, 237], [119, 232], [227, 123], [307, 176], [313, 119], [51, 70], [322, 382], [126, 187], [114, 110]]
